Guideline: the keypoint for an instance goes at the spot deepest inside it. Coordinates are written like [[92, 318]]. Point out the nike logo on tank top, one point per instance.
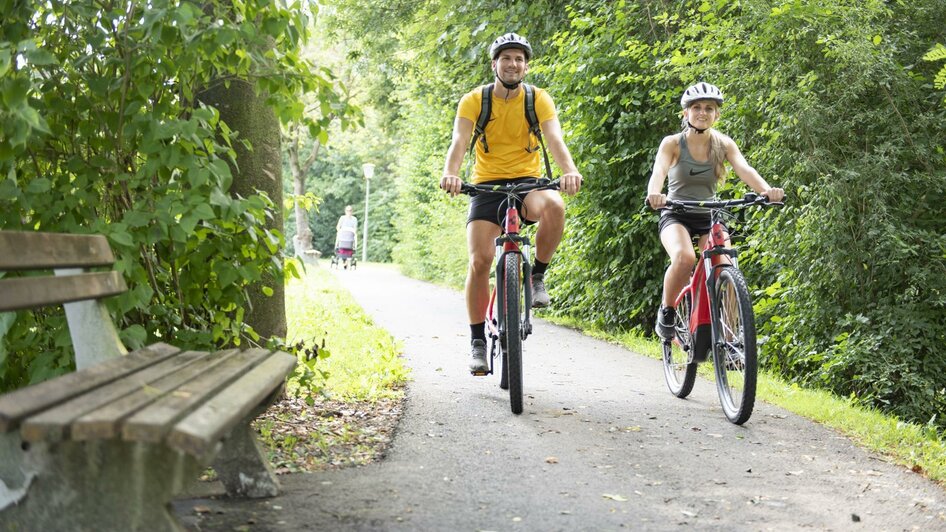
[[690, 179]]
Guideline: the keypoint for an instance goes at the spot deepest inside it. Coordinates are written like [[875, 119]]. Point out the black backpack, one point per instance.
[[479, 129]]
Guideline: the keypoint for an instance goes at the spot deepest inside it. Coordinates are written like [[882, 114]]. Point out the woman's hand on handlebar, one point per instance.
[[451, 184], [657, 201], [774, 194]]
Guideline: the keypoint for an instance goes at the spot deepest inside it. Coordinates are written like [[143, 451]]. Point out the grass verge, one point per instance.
[[345, 413], [920, 448]]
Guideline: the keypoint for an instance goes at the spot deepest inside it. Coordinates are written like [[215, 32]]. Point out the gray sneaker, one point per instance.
[[478, 366], [540, 298], [665, 318]]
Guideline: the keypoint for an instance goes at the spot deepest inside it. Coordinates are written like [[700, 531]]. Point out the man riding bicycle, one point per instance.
[[509, 155]]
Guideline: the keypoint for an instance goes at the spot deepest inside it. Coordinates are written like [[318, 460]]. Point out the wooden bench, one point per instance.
[[109, 446]]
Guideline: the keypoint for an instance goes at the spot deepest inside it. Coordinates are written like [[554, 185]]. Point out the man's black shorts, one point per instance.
[[697, 223], [492, 207]]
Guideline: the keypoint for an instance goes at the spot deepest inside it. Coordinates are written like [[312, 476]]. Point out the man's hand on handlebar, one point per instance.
[[451, 184], [570, 183]]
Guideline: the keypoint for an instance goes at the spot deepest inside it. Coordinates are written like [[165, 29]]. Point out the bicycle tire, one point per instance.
[[734, 346], [679, 368], [512, 306]]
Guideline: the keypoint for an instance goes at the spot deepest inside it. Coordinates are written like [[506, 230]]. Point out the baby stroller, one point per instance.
[[345, 250]]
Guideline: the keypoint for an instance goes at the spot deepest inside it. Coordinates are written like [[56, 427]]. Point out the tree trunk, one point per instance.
[[259, 169], [302, 242]]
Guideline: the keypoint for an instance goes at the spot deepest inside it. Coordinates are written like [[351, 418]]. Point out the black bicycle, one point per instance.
[[511, 324]]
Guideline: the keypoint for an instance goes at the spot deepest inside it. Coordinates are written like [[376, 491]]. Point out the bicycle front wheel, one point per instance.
[[679, 368], [734, 346], [512, 309]]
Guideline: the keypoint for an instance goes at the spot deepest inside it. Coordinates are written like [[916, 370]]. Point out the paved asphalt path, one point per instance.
[[601, 445]]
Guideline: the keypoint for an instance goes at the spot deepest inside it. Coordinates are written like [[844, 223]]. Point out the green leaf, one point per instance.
[[121, 238], [134, 337], [40, 57]]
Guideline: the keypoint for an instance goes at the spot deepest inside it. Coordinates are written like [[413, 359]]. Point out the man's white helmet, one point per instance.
[[510, 40], [701, 91]]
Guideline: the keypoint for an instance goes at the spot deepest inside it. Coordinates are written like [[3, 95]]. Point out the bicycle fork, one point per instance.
[[714, 266], [520, 245]]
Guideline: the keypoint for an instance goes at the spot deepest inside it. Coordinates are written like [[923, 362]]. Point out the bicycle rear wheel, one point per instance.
[[679, 368], [512, 309], [734, 346]]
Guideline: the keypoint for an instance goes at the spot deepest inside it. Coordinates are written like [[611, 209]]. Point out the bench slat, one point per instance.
[[28, 250], [153, 422], [105, 422], [200, 430], [16, 406], [34, 292], [53, 425]]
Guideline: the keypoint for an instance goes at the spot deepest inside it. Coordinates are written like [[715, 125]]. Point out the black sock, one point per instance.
[[539, 267], [478, 330]]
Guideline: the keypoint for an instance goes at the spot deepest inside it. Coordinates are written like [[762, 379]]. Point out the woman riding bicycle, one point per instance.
[[694, 160]]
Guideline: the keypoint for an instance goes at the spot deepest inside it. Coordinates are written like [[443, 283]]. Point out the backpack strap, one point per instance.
[[486, 108], [535, 128]]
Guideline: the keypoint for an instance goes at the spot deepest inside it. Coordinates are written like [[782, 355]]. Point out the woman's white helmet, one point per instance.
[[701, 91], [510, 40]]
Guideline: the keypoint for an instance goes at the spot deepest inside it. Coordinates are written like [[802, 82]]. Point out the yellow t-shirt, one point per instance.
[[507, 135]]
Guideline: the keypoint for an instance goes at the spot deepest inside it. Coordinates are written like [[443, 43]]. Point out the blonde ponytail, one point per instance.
[[717, 154]]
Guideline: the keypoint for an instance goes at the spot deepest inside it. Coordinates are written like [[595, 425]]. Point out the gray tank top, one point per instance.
[[691, 179]]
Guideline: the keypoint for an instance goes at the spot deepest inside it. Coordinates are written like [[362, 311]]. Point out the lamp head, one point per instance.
[[368, 169]]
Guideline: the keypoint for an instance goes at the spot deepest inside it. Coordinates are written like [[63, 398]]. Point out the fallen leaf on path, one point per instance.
[[613, 497]]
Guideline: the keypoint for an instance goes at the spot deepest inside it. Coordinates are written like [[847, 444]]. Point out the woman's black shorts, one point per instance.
[[492, 207], [697, 223]]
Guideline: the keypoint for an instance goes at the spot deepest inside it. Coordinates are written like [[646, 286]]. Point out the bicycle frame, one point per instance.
[[510, 242], [702, 284]]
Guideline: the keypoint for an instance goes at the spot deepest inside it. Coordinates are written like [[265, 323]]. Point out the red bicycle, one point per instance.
[[714, 313], [511, 323]]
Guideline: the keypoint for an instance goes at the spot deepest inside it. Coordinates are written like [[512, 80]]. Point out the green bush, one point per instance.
[[102, 133]]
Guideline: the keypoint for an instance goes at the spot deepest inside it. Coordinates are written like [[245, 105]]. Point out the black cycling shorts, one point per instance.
[[492, 206], [696, 223]]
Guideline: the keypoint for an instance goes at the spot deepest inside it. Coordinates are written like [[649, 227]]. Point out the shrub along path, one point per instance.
[[601, 445]]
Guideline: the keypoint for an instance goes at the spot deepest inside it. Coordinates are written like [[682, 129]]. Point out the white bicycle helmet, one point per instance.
[[701, 91], [510, 40]]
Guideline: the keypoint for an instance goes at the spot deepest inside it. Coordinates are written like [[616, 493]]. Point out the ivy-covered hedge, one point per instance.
[[830, 101]]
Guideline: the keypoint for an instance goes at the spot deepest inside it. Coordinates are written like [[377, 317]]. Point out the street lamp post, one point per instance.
[[368, 169]]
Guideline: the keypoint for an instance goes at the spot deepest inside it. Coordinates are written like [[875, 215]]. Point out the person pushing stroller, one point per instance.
[[346, 239]]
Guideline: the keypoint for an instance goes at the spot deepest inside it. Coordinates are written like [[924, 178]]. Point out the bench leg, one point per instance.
[[242, 466], [94, 486]]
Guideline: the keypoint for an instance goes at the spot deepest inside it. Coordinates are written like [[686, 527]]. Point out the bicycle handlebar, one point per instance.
[[510, 188], [748, 199]]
